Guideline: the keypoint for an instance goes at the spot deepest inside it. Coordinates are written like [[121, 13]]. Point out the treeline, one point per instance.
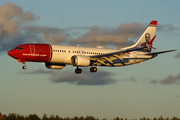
[[13, 116]]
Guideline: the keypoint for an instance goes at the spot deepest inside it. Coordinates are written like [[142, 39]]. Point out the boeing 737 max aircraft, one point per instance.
[[58, 56]]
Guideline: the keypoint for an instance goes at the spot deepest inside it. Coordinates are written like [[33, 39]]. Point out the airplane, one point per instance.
[[58, 56]]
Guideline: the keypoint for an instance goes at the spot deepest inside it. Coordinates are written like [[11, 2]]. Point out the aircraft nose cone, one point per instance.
[[12, 53], [9, 53]]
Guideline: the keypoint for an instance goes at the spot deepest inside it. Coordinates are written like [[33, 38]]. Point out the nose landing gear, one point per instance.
[[23, 62], [24, 67]]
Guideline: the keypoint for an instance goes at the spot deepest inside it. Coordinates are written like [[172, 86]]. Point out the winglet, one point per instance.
[[153, 23]]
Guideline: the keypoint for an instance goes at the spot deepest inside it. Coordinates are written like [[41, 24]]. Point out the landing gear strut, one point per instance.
[[23, 62], [78, 70], [93, 69], [24, 67]]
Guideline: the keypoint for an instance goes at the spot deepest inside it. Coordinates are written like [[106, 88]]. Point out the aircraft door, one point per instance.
[[135, 56], [32, 49]]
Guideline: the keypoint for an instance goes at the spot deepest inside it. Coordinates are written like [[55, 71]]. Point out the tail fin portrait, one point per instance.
[[147, 37]]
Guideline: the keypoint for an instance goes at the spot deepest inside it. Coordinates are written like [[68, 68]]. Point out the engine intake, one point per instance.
[[55, 65], [78, 60]]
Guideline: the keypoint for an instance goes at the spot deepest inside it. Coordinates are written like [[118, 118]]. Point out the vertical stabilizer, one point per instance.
[[146, 37]]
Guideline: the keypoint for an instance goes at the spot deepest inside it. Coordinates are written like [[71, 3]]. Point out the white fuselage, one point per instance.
[[63, 54]]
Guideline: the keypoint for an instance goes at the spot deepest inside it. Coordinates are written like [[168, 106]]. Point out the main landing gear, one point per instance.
[[79, 70], [93, 69]]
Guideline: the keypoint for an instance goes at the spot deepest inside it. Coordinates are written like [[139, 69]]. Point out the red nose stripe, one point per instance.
[[31, 52]]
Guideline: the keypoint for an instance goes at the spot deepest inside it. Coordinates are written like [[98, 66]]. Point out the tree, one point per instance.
[[33, 117], [58, 118], [45, 117], [161, 118], [2, 117], [12, 116], [175, 118], [117, 118]]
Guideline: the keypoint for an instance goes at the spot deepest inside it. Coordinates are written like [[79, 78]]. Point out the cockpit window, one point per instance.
[[19, 48]]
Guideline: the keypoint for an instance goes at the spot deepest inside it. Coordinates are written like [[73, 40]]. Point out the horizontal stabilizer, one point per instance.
[[155, 53]]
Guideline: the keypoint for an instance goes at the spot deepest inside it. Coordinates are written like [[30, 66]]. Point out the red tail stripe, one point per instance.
[[153, 22], [151, 42], [152, 47]]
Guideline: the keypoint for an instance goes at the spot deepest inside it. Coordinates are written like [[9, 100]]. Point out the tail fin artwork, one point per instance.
[[149, 45], [147, 37]]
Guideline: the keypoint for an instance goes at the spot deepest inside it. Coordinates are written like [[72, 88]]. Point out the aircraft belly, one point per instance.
[[123, 62], [60, 58]]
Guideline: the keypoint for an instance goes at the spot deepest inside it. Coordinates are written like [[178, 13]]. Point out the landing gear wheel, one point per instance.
[[93, 69], [78, 71], [24, 67]]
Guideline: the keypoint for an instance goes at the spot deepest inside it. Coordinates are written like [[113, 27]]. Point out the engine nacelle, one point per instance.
[[78, 60], [55, 65]]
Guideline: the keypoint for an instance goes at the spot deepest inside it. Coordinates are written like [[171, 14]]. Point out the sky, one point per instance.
[[149, 89]]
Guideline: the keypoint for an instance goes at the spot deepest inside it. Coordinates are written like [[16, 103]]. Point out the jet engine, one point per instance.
[[78, 60], [55, 65]]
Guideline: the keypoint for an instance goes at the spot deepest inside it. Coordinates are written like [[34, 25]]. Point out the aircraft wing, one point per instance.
[[155, 53], [100, 59], [116, 53]]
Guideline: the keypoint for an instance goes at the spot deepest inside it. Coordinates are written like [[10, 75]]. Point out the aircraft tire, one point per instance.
[[93, 69], [78, 71], [24, 67]]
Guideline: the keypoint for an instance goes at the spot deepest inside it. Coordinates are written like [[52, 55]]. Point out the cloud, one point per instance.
[[167, 27], [131, 79], [43, 29], [178, 96], [85, 78], [54, 38], [118, 37], [178, 55], [168, 80], [54, 35], [39, 71], [16, 27], [11, 19]]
